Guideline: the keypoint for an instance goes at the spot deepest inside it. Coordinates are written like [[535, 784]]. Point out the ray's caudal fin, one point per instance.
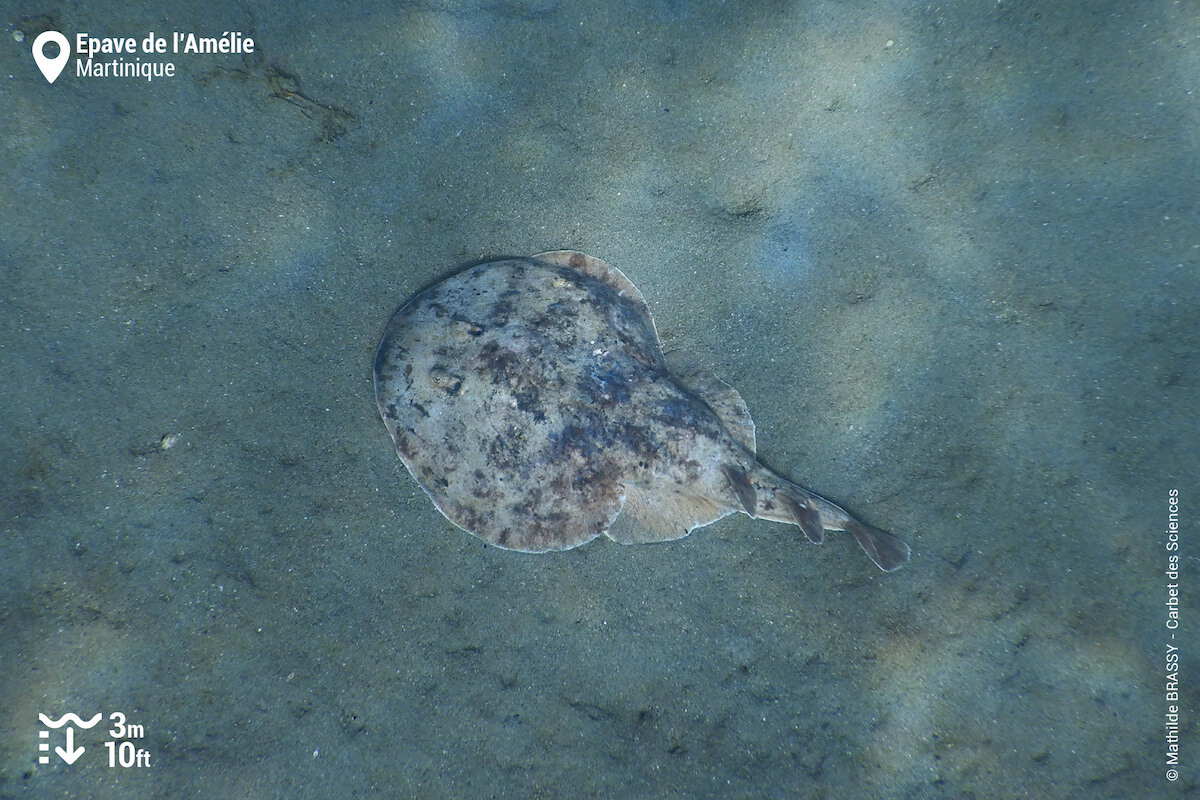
[[888, 552]]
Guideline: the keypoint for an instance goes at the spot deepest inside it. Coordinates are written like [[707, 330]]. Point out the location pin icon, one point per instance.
[[51, 67]]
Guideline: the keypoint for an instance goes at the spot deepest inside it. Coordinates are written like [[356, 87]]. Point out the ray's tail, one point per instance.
[[815, 515], [764, 495]]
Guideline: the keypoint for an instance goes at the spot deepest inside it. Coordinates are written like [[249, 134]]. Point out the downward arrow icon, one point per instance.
[[70, 753]]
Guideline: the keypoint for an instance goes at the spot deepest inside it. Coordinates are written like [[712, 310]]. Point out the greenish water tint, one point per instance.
[[948, 256]]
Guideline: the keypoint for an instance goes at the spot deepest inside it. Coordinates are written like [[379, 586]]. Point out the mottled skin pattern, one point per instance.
[[530, 398]]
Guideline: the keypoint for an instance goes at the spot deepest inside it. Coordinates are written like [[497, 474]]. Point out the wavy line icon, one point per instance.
[[65, 718]]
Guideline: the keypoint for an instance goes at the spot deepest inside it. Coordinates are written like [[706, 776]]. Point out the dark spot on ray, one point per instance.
[[527, 401]]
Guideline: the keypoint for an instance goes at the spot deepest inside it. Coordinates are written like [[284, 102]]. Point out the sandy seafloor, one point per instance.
[[948, 253]]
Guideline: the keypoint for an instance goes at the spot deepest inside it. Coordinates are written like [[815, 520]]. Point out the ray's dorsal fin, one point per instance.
[[742, 487], [805, 516]]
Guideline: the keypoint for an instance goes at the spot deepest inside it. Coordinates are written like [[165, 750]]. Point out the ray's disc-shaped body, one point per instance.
[[531, 400]]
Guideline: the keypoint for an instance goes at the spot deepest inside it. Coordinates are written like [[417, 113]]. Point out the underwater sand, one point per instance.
[[949, 257]]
